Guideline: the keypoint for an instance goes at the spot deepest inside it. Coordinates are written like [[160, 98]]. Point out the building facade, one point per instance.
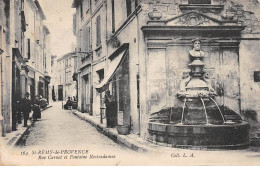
[[25, 41], [5, 53], [55, 79], [37, 50], [140, 55], [66, 68]]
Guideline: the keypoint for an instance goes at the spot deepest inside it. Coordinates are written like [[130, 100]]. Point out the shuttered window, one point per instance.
[[98, 30], [88, 48], [128, 7], [81, 10], [45, 62], [28, 49], [113, 15]]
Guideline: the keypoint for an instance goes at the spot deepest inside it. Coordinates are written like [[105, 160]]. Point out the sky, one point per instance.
[[59, 20]]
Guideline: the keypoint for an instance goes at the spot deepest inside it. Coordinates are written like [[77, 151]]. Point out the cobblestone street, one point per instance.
[[58, 128]]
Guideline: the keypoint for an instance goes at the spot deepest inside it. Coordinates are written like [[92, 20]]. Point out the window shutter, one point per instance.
[[98, 29], [81, 10], [128, 7], [113, 15], [28, 49], [45, 64], [89, 43], [88, 39]]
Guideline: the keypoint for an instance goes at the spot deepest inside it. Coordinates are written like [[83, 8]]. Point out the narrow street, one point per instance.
[[157, 82], [60, 131], [58, 128]]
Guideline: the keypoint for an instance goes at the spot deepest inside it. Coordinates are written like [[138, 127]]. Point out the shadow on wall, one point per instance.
[[251, 117]]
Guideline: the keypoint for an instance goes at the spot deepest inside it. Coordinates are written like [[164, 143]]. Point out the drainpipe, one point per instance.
[[239, 84], [1, 108], [91, 66], [138, 76]]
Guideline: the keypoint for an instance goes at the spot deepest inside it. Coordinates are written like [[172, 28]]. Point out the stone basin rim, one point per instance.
[[242, 123]]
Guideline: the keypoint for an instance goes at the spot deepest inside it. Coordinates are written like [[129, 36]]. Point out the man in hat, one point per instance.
[[26, 108], [111, 109]]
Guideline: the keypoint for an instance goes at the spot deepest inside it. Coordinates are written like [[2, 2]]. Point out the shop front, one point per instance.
[[115, 89], [31, 83], [85, 90], [19, 84], [60, 92], [43, 87]]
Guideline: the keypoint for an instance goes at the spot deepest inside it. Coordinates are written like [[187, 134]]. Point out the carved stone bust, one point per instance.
[[196, 52]]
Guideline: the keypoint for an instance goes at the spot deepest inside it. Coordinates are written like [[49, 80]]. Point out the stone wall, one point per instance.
[[249, 14], [246, 12]]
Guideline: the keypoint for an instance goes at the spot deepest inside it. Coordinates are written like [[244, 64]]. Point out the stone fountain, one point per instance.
[[200, 122]]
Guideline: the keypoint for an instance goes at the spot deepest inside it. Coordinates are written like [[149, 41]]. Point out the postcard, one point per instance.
[[130, 82]]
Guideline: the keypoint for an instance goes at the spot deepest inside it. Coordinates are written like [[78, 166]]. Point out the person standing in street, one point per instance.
[[111, 110], [16, 113], [26, 108], [19, 113], [36, 108], [39, 110]]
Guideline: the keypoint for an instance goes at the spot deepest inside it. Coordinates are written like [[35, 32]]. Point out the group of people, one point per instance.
[[24, 107], [111, 108], [69, 103]]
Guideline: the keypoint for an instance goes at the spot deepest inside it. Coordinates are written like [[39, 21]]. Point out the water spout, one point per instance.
[[219, 110], [182, 114], [205, 111]]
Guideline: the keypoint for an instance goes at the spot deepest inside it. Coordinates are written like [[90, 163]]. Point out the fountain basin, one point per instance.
[[235, 135]]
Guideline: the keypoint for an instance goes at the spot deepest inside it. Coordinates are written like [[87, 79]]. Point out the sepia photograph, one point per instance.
[[130, 82]]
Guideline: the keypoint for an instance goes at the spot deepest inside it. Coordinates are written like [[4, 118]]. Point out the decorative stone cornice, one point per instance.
[[160, 28], [193, 18]]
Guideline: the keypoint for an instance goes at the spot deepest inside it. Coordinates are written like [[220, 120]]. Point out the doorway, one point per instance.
[[86, 98], [60, 92]]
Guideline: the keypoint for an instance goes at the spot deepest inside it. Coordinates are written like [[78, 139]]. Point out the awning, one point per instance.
[[113, 66]]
